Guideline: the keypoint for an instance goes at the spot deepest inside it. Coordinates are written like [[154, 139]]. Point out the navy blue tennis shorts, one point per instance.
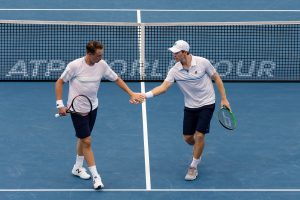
[[83, 125], [197, 119]]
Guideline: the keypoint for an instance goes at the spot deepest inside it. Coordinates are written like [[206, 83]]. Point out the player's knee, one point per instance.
[[189, 139], [86, 142], [199, 137]]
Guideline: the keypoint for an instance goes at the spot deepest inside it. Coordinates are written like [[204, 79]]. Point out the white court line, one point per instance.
[[152, 190], [135, 10], [141, 42]]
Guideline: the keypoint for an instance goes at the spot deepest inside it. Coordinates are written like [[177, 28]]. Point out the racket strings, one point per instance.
[[227, 119], [81, 104]]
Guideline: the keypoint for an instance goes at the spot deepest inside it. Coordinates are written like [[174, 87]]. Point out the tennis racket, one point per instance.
[[226, 118], [80, 104]]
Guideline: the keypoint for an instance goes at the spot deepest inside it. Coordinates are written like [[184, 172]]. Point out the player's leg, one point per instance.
[[189, 126], [199, 144], [97, 181], [78, 169], [189, 139], [86, 147], [83, 126], [80, 124], [203, 115], [88, 153]]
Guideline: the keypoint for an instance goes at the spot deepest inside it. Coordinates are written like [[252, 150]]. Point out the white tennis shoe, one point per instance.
[[97, 183], [80, 172], [191, 174]]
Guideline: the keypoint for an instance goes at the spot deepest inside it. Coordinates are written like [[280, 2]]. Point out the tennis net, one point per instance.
[[246, 51]]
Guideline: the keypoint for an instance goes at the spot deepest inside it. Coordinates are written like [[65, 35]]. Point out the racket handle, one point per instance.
[[57, 115]]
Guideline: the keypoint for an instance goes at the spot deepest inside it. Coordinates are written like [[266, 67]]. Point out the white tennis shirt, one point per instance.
[[195, 83], [85, 79]]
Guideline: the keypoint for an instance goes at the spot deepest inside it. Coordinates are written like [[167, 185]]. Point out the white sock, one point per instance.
[[94, 171], [79, 161], [195, 162]]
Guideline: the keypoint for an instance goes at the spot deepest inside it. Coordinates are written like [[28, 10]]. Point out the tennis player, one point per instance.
[[84, 76], [194, 77]]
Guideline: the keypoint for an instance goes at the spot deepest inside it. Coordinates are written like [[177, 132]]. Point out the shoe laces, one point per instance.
[[82, 169], [191, 170]]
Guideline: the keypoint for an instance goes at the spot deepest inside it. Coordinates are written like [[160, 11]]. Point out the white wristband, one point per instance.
[[149, 94], [59, 104]]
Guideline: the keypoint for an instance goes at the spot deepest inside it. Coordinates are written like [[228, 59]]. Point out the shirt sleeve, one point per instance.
[[69, 73], [110, 74], [209, 68], [170, 77]]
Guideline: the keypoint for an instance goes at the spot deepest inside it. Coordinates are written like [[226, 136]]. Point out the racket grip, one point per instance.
[[57, 115]]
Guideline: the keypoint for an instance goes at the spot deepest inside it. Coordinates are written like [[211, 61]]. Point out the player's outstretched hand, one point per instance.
[[137, 98]]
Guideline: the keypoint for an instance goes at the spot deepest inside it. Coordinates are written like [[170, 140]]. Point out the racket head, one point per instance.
[[81, 104], [226, 118]]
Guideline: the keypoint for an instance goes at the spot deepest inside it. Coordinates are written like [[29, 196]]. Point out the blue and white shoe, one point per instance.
[[97, 183], [80, 172]]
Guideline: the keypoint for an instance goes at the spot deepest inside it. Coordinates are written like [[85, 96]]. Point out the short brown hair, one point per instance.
[[187, 52], [92, 46]]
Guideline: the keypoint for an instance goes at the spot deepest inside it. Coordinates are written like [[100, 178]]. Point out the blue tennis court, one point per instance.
[[258, 160], [260, 154]]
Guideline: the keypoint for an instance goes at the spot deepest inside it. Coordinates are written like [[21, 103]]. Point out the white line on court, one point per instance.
[[152, 190], [141, 41], [135, 10]]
